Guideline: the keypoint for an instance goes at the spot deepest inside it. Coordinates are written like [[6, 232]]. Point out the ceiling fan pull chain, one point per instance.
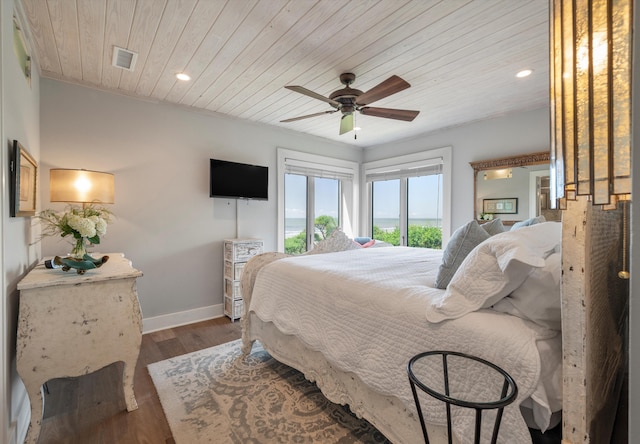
[[355, 125]]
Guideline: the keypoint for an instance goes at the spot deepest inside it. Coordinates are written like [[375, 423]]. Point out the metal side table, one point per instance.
[[424, 362]]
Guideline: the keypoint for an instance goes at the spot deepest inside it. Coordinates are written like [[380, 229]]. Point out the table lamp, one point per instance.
[[81, 186]]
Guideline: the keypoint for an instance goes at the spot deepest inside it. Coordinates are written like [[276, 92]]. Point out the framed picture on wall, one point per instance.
[[500, 206], [24, 182]]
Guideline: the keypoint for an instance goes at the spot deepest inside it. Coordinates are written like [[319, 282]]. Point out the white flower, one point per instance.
[[86, 223], [101, 226], [82, 225]]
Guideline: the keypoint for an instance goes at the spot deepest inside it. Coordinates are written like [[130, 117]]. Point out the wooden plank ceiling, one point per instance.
[[460, 56]]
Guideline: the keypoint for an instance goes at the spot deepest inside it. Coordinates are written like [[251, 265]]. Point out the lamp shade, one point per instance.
[[81, 186]]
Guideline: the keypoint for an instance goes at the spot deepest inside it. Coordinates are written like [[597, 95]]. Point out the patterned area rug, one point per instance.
[[214, 395]]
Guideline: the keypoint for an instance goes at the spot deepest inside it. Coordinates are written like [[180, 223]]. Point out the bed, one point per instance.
[[350, 320]]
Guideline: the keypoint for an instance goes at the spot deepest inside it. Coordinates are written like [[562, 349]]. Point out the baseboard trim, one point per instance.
[[171, 320]]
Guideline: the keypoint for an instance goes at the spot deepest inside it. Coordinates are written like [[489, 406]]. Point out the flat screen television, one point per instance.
[[238, 180]]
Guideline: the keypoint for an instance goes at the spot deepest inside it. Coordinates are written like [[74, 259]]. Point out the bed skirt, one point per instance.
[[388, 414]]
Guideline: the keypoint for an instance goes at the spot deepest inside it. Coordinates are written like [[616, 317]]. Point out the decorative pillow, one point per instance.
[[462, 241], [528, 222], [538, 298], [494, 227], [337, 241], [495, 269], [369, 243], [379, 243]]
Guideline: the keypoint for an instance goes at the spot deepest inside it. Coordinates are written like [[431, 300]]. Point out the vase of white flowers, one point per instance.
[[85, 225], [485, 216]]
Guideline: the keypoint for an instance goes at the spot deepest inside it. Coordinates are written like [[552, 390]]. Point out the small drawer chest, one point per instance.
[[236, 254]]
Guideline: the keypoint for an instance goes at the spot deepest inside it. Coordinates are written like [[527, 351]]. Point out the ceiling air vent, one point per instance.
[[123, 58]]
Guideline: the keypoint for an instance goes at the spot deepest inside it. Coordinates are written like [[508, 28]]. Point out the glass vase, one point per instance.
[[79, 248]]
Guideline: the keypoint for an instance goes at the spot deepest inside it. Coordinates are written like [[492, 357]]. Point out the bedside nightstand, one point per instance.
[[236, 254], [71, 325]]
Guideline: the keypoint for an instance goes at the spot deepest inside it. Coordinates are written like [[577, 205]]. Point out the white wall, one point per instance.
[[165, 221], [20, 249], [510, 135]]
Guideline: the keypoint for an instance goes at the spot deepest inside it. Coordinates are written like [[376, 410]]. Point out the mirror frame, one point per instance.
[[505, 162]]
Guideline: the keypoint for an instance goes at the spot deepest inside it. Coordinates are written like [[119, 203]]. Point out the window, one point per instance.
[[311, 210], [408, 199], [317, 194], [424, 210], [386, 210], [295, 213]]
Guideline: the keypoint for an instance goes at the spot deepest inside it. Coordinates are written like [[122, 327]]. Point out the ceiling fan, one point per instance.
[[349, 100]]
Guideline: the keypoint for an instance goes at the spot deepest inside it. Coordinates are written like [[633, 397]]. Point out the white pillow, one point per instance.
[[337, 241], [494, 269], [538, 298]]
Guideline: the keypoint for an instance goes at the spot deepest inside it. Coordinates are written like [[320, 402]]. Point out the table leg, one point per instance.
[[127, 384], [34, 391]]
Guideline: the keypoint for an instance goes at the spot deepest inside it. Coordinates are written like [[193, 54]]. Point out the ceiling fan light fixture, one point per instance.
[[350, 100]]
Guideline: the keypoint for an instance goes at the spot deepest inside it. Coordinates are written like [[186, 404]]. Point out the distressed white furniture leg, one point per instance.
[[127, 384], [71, 325], [34, 391]]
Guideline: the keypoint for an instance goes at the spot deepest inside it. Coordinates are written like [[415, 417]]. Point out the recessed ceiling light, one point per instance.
[[524, 73], [183, 76], [357, 128]]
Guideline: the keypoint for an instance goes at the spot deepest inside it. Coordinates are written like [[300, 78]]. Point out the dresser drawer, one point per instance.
[[233, 308], [241, 251], [232, 289], [233, 270]]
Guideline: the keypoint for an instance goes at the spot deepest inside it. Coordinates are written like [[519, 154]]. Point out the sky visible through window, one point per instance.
[[425, 197], [424, 200], [296, 196]]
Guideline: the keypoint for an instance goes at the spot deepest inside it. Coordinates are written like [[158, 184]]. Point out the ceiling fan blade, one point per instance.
[[389, 113], [293, 119], [346, 123], [390, 86], [306, 92]]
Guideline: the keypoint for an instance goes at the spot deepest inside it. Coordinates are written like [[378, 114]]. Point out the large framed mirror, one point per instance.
[[513, 188]]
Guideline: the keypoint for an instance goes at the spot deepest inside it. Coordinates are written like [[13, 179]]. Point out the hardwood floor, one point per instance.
[[91, 409]]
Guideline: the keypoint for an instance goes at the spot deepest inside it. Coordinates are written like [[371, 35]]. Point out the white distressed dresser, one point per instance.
[[236, 254], [73, 324]]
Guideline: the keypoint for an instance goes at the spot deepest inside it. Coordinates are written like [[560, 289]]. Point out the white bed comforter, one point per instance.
[[364, 311]]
